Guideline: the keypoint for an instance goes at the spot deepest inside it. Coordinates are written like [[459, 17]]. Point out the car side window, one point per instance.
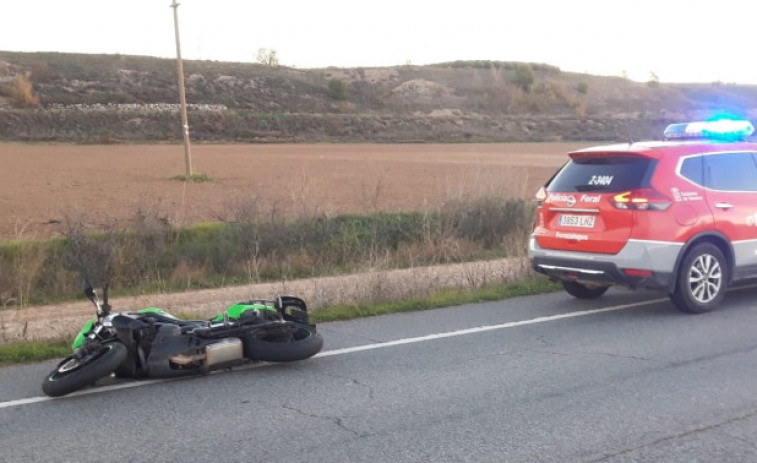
[[693, 170], [731, 172]]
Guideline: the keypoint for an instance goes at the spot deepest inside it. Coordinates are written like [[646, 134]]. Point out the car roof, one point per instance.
[[656, 149]]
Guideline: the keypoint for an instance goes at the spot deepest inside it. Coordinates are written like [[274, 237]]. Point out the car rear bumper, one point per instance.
[[629, 267]]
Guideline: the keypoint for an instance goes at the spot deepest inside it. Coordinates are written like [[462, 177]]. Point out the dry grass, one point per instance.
[[35, 323]]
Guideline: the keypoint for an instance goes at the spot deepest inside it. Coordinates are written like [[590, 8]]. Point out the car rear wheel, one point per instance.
[[702, 279], [580, 291]]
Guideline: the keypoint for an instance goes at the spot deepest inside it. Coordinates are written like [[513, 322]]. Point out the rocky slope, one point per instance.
[[116, 98]]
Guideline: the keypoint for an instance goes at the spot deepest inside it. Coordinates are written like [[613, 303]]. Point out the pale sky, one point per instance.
[[678, 40]]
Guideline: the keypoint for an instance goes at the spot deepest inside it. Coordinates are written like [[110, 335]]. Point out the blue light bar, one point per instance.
[[723, 129]]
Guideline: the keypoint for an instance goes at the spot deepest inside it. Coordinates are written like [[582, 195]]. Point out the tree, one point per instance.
[[267, 57], [654, 80], [524, 76]]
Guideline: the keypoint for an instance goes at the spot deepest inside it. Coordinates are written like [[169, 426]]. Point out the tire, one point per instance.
[[72, 374], [580, 291], [304, 343], [702, 279]]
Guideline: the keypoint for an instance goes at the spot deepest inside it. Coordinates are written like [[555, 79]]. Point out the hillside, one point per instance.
[[115, 98]]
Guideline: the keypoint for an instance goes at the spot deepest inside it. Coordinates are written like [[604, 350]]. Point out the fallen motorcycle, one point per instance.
[[154, 343]]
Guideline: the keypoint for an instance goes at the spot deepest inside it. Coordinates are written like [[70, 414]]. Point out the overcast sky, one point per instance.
[[678, 40]]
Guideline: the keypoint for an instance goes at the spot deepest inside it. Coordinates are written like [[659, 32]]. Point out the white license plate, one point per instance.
[[577, 221]]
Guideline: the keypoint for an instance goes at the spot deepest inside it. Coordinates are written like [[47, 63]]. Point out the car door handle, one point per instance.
[[724, 206]]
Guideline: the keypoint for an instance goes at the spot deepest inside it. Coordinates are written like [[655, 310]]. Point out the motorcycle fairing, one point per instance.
[[79, 340]]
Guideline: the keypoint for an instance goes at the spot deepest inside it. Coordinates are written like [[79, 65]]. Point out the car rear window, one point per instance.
[[608, 174]]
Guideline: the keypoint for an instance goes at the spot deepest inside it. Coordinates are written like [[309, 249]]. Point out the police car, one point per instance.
[[679, 215]]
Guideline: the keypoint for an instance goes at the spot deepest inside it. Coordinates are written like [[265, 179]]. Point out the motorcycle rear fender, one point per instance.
[[294, 309]]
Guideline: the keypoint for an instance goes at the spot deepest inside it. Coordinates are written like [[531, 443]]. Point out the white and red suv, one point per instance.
[[678, 215]]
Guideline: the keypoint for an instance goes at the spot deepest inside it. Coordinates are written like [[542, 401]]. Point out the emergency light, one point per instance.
[[723, 129]]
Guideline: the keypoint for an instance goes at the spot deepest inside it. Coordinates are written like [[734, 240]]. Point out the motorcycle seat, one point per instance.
[[160, 318]]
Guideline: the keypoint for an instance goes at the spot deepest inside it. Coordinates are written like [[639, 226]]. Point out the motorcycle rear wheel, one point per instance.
[[73, 374], [304, 343]]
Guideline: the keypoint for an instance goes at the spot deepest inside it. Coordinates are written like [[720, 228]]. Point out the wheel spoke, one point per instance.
[[697, 291], [695, 278], [713, 289], [704, 264]]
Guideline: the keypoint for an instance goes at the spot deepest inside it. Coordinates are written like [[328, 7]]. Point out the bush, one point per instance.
[[337, 89], [21, 92]]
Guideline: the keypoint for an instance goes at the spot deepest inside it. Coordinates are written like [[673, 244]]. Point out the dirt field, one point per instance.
[[41, 185]]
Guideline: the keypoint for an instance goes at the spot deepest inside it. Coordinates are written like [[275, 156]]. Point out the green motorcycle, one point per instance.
[[154, 343]]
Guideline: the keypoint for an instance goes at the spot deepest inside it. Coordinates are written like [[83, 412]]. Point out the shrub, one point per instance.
[[524, 76], [21, 90], [337, 89]]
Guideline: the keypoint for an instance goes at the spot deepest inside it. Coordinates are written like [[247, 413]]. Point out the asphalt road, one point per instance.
[[542, 378]]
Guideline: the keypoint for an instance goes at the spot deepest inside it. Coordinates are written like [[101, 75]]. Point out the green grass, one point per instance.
[[447, 298], [33, 351], [37, 351]]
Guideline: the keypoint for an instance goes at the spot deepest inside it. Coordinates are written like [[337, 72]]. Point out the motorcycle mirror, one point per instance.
[[105, 305], [89, 291]]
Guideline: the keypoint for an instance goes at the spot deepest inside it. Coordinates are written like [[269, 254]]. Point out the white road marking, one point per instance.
[[482, 329], [350, 350], [94, 390]]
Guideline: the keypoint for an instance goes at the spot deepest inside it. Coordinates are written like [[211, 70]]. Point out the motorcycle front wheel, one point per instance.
[[303, 343], [73, 374]]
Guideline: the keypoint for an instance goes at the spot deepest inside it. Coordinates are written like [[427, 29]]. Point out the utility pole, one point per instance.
[[182, 96]]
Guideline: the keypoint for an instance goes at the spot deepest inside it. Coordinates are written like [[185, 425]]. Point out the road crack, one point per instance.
[[339, 422], [602, 354], [691, 432], [356, 382]]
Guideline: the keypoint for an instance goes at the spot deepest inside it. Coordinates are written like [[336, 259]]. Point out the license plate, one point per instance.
[[577, 221]]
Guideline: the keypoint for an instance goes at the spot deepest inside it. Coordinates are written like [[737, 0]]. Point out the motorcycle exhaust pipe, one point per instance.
[[222, 354]]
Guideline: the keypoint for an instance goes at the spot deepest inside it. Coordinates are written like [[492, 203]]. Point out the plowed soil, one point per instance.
[[41, 186]]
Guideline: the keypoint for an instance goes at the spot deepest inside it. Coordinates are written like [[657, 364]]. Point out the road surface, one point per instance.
[[543, 378]]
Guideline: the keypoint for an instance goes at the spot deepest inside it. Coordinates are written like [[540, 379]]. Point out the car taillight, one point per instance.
[[645, 199], [540, 196]]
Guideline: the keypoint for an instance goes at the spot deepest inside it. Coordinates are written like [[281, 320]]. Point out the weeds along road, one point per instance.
[[540, 378]]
